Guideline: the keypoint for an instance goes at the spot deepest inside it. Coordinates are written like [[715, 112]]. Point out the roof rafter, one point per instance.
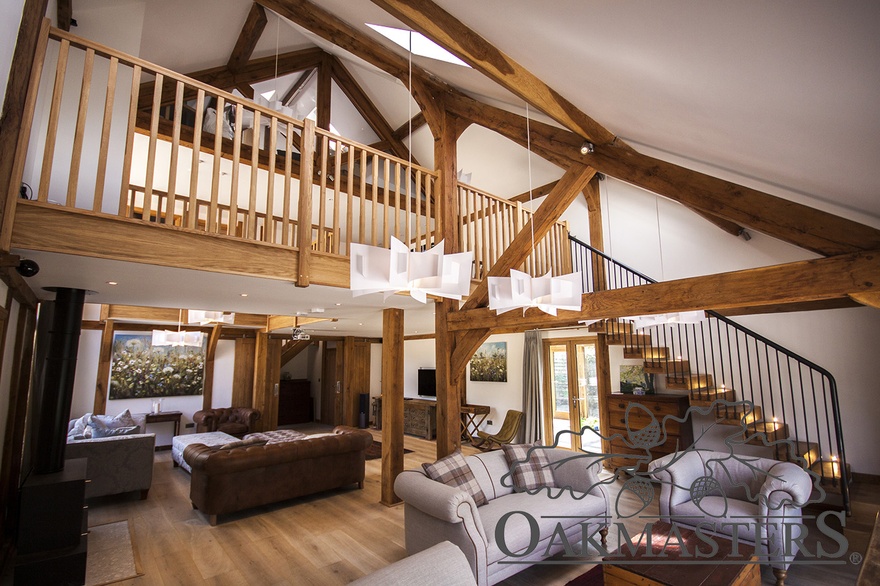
[[250, 34]]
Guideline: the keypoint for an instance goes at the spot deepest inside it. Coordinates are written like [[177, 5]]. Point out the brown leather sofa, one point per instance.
[[229, 480], [235, 421]]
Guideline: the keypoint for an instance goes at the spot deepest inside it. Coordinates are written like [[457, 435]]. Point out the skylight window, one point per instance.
[[421, 45]]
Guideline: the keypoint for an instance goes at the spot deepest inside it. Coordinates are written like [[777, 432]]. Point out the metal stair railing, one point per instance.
[[798, 398]]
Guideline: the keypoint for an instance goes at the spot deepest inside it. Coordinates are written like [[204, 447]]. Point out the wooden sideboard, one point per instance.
[[419, 416], [658, 406]]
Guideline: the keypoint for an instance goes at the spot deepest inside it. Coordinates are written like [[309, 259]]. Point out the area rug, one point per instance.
[[592, 577], [375, 451], [112, 556]]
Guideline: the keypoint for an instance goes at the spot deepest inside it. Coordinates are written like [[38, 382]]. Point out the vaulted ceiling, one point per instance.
[[780, 97]]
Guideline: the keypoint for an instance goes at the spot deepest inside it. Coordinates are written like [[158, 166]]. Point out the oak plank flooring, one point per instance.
[[339, 536]]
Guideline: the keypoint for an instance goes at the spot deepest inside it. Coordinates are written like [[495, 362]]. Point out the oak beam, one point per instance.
[[293, 350], [102, 382], [597, 237], [409, 126], [297, 86], [304, 237], [392, 402], [250, 34], [367, 109], [798, 282], [535, 193], [208, 392], [452, 34], [324, 91], [254, 71], [542, 220], [65, 14]]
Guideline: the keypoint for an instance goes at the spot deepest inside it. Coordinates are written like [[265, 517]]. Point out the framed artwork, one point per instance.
[[489, 364], [138, 371], [633, 377]]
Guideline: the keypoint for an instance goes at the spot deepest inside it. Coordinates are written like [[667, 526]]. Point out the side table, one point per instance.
[[165, 417], [471, 418]]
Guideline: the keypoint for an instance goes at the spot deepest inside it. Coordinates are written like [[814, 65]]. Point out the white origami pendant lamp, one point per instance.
[[547, 293], [389, 271]]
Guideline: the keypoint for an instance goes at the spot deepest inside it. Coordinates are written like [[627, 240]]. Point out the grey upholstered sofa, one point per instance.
[[116, 464], [435, 512], [704, 487], [440, 565]]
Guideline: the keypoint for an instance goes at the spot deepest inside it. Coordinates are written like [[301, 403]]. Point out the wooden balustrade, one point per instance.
[[232, 167], [489, 224]]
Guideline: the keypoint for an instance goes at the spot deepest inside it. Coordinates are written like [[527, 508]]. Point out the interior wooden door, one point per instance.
[[331, 389]]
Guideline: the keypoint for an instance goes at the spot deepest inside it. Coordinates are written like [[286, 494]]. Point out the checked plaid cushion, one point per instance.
[[528, 472], [453, 470]]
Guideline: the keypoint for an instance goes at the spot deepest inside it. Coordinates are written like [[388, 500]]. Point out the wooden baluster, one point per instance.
[[220, 104], [484, 225], [192, 212], [81, 114], [322, 197], [232, 226], [407, 236], [397, 207], [149, 172], [52, 129], [337, 197], [430, 211], [288, 161], [469, 207], [417, 193], [255, 162], [349, 229], [375, 195], [101, 174], [362, 234], [386, 202], [269, 226], [171, 200], [124, 209]]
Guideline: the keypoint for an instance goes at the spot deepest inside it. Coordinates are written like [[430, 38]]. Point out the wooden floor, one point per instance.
[[337, 537]]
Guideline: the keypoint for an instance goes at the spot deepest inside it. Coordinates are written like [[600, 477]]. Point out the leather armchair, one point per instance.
[[235, 421]]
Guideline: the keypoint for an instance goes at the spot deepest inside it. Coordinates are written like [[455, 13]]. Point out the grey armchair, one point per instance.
[[118, 464], [704, 486]]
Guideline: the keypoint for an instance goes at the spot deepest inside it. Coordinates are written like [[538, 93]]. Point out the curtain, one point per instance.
[[532, 387]]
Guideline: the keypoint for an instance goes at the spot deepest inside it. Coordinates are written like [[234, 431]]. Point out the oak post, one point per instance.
[[102, 383], [208, 392], [304, 216], [392, 402]]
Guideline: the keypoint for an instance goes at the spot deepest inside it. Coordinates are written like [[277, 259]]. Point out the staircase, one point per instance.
[[779, 399]]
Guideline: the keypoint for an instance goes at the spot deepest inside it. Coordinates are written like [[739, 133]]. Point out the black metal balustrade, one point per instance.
[[717, 359]]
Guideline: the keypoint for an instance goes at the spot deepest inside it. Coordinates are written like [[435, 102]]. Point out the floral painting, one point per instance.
[[633, 378], [489, 364], [139, 371]]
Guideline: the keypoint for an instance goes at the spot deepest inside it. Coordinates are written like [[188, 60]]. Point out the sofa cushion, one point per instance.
[[490, 469], [254, 441], [77, 428], [99, 425], [102, 431], [568, 508], [453, 470], [528, 471]]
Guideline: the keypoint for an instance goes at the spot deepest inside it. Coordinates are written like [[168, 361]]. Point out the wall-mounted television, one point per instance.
[[427, 382]]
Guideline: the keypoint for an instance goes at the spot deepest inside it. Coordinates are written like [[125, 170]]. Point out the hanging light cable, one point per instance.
[[521, 290], [398, 269]]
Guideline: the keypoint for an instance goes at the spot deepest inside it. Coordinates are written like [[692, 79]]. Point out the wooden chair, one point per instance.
[[505, 435]]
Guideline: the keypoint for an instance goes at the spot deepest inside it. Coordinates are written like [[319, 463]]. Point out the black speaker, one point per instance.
[[363, 408]]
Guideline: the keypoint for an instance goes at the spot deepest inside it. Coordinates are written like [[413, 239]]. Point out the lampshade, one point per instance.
[[547, 293], [675, 317], [395, 269], [178, 338], [198, 316]]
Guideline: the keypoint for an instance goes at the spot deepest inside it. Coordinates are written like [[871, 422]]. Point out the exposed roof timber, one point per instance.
[[800, 225], [367, 109], [65, 14], [869, 298], [453, 35], [297, 87], [534, 193], [246, 89], [410, 126], [250, 34], [255, 70], [815, 280], [842, 303], [797, 224]]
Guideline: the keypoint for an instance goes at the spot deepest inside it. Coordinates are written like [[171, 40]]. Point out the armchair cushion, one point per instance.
[[453, 470]]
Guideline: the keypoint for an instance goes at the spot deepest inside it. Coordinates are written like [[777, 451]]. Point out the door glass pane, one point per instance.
[[559, 382], [588, 394]]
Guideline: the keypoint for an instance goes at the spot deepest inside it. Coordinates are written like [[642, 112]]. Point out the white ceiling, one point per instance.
[[779, 95]]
